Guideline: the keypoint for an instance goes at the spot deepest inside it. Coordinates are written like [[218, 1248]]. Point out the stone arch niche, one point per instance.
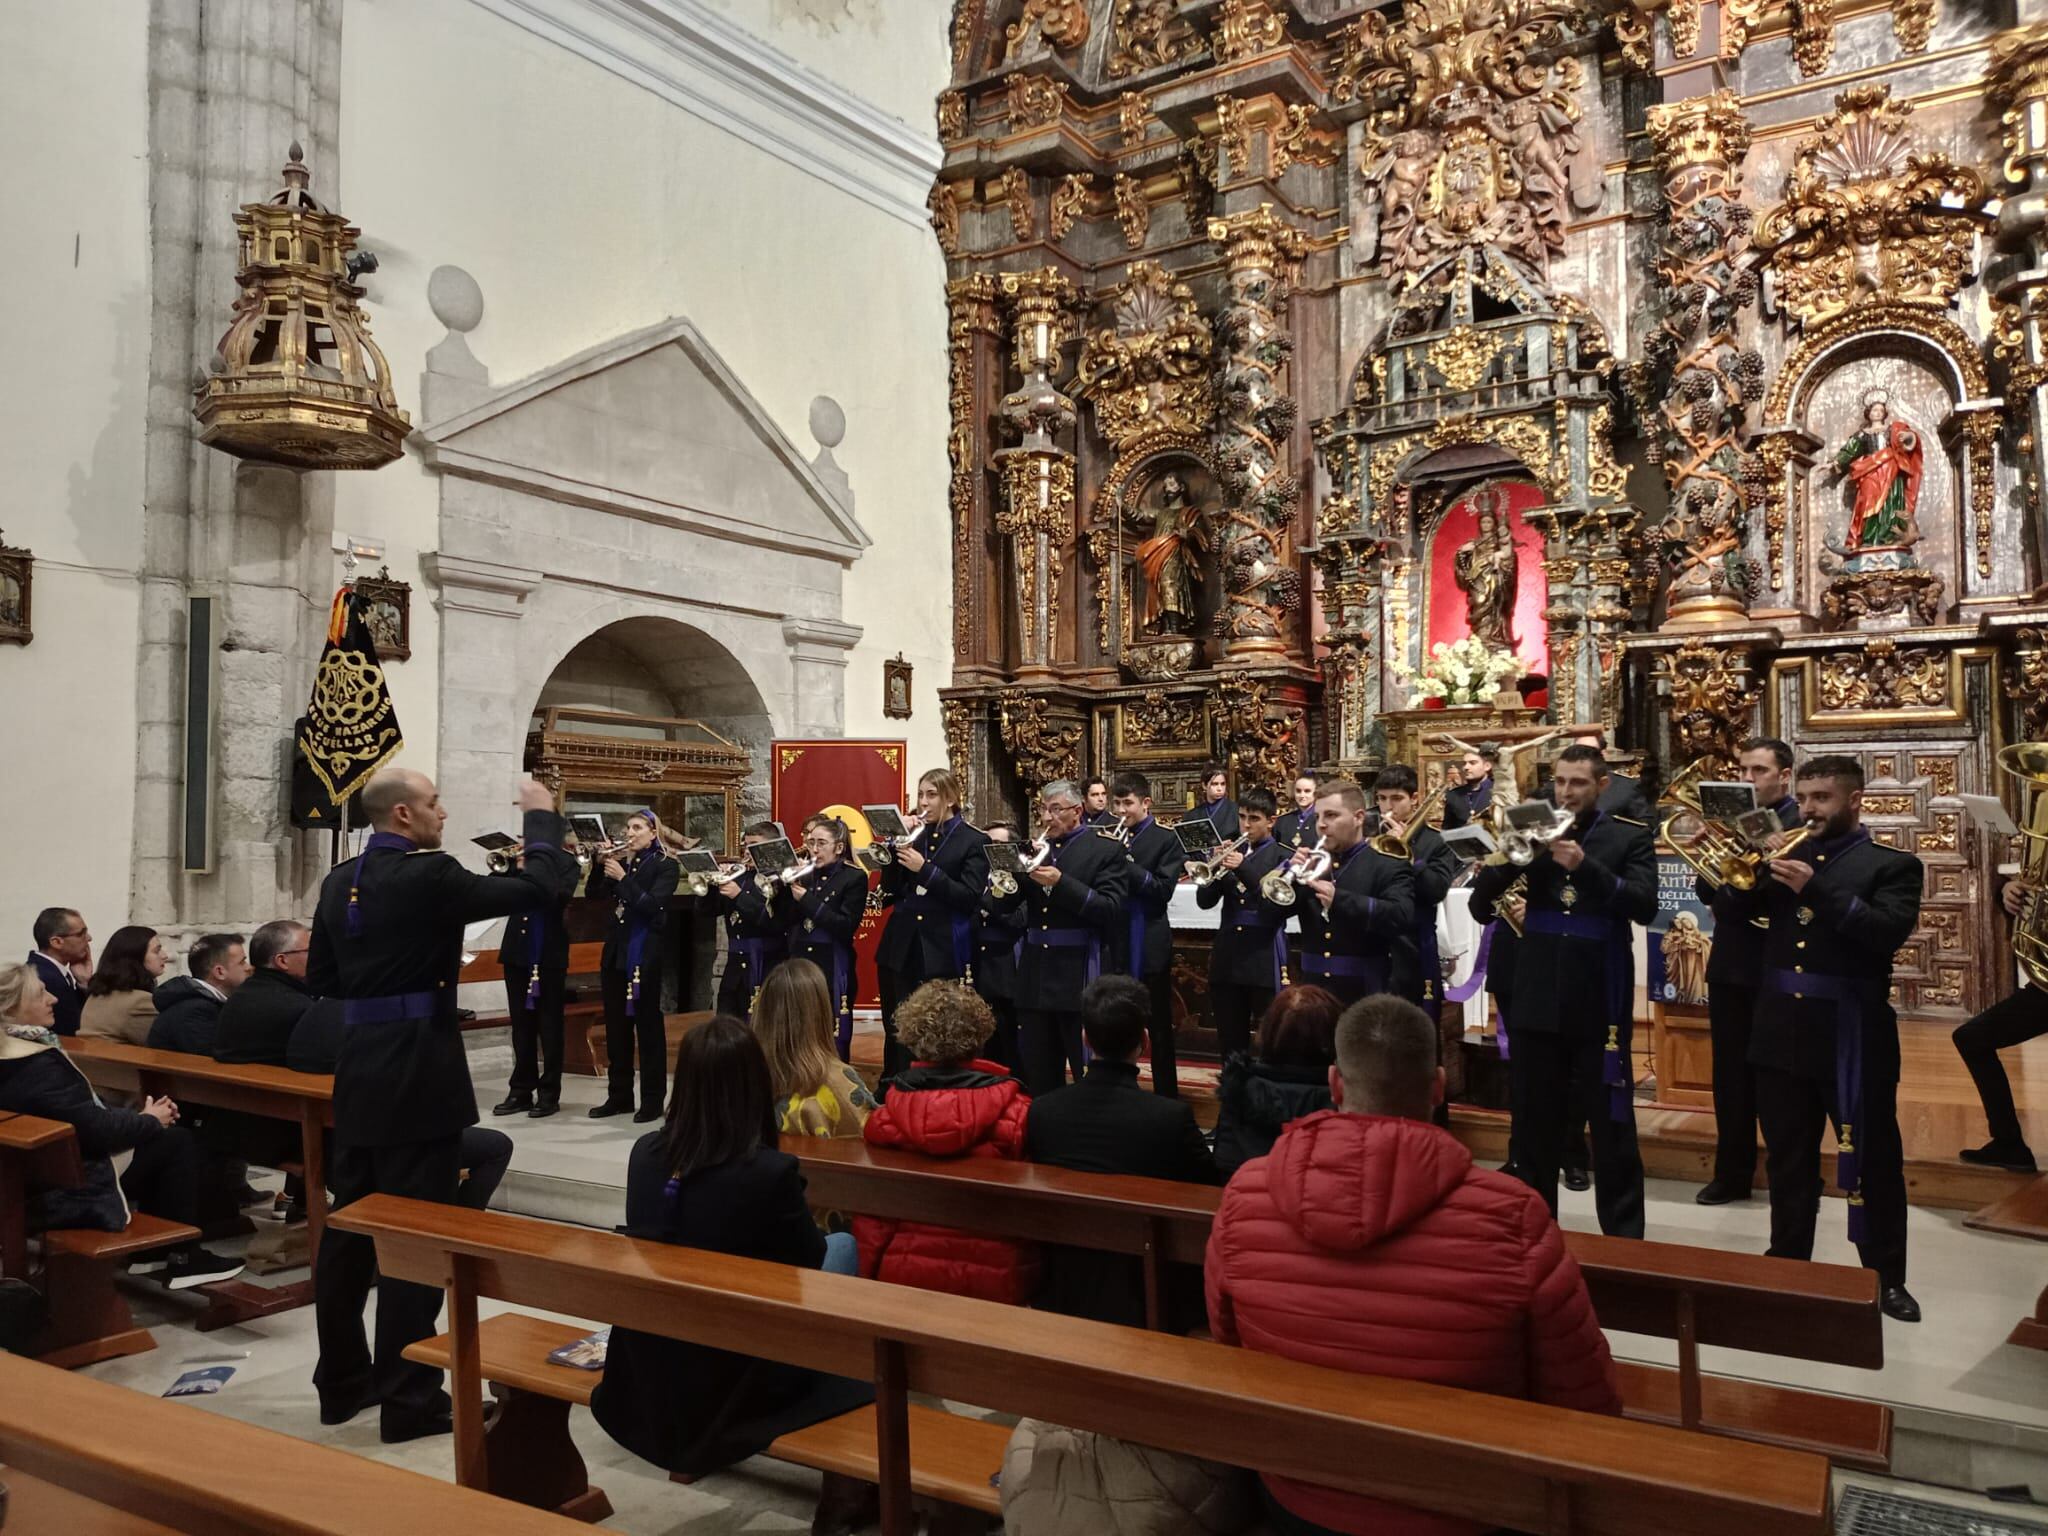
[[1930, 376], [636, 492]]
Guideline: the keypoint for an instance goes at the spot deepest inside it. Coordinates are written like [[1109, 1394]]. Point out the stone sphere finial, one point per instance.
[[455, 298], [828, 422]]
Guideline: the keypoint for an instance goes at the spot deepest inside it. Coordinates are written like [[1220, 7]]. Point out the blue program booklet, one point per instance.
[[202, 1382], [586, 1354]]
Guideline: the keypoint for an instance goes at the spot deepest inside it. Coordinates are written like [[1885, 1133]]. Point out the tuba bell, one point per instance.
[[2027, 762]]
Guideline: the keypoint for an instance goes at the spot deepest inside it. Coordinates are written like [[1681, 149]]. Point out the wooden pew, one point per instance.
[[89, 1319], [89, 1459], [582, 1012], [1499, 1461], [305, 1099], [1696, 1296]]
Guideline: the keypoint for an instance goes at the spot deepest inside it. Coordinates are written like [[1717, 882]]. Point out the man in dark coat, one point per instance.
[[1574, 991], [1826, 1042], [997, 936], [533, 953], [188, 1007], [63, 951], [256, 1022], [1418, 976], [933, 887], [387, 941], [1734, 972], [1157, 860], [1106, 1123], [755, 939], [1248, 956], [1353, 919], [1074, 908]]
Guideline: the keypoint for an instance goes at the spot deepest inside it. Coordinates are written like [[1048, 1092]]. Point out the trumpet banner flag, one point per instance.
[[351, 727]]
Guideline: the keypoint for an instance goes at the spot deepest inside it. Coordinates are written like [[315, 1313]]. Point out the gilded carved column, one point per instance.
[[974, 340], [1696, 379], [2018, 87], [1036, 508], [1255, 419]]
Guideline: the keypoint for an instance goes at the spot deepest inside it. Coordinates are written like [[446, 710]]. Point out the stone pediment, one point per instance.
[[655, 426]]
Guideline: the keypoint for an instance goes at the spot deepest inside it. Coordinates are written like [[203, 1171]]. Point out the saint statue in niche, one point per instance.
[[1485, 569], [1882, 464], [1687, 949], [1168, 557]]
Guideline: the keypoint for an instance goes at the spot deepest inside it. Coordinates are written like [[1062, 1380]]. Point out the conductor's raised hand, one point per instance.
[[535, 796]]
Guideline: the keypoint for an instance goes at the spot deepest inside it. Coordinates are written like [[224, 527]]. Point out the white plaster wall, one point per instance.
[[587, 208], [896, 53], [74, 316]]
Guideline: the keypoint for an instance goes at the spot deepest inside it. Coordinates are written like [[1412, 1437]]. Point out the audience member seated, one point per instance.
[[37, 1078], [1366, 1240], [1288, 1076], [712, 1178], [120, 1000], [257, 1020], [315, 1045], [63, 962], [948, 1103], [188, 1007], [1106, 1123], [816, 1094]]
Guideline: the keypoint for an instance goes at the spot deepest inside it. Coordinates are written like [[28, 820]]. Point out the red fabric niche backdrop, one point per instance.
[[839, 777], [1447, 619]]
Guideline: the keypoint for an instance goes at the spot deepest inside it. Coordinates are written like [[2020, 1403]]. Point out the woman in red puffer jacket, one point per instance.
[[948, 1103]]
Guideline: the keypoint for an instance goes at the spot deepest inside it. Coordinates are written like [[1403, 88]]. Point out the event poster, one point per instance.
[[1681, 938], [837, 778]]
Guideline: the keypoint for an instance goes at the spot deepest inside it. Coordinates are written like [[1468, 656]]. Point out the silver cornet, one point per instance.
[[885, 847], [1282, 886], [1002, 883], [500, 860], [797, 873], [701, 884]]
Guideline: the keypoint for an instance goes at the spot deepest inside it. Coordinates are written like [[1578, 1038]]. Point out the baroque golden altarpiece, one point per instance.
[[1693, 352]]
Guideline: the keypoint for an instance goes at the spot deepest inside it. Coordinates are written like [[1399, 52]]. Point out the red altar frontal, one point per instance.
[[837, 778]]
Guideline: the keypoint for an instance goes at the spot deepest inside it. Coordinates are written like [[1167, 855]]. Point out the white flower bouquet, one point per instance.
[[1463, 671]]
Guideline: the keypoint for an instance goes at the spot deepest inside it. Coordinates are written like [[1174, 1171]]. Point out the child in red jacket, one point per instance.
[[948, 1103]]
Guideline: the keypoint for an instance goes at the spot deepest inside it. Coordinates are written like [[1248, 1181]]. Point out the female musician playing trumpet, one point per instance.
[[756, 940], [933, 889], [821, 911], [639, 878]]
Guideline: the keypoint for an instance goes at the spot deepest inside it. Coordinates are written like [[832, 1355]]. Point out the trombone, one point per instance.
[[1399, 845]]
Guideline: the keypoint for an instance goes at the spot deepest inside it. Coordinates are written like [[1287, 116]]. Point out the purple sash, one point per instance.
[[1840, 991], [1614, 936]]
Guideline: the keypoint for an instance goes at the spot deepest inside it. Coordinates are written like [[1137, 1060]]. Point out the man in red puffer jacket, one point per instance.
[[1366, 1240], [948, 1103]]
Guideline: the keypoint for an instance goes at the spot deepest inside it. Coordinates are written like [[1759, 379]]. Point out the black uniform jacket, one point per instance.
[[1157, 860], [1465, 802], [1862, 903], [1435, 867], [835, 899], [1071, 926], [1373, 910], [639, 900], [1297, 829], [515, 949], [995, 949], [1222, 816], [750, 915], [402, 1075], [1246, 952], [1737, 958], [1569, 984], [923, 908]]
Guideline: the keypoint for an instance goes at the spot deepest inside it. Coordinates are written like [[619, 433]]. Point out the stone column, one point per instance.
[[232, 83], [1696, 378], [817, 663], [2018, 87], [483, 716], [1037, 509], [1256, 419]]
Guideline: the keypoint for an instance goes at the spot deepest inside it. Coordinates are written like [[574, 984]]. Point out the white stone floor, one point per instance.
[[1972, 1410]]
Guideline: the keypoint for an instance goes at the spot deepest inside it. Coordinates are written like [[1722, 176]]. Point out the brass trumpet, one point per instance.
[[1002, 883], [1212, 868], [1718, 853], [500, 860], [1306, 866], [1399, 845], [701, 884]]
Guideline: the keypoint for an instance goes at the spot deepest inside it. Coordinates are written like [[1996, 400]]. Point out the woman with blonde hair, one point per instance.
[[816, 1094]]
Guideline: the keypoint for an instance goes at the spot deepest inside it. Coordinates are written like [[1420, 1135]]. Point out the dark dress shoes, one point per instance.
[[1578, 1178], [610, 1107], [1899, 1305], [2013, 1157], [339, 1406], [650, 1112], [543, 1107], [513, 1104], [1721, 1192]]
